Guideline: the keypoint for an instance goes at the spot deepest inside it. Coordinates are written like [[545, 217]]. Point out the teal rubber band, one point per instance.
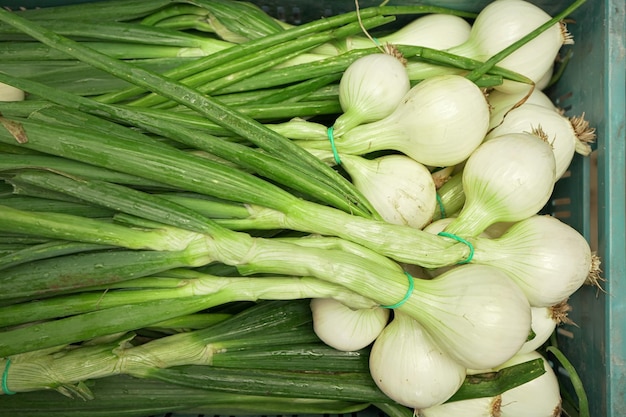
[[465, 242], [442, 210], [5, 375], [331, 139], [406, 296]]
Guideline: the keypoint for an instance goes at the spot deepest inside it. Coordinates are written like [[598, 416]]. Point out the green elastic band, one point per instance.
[[5, 375], [442, 211], [460, 239], [406, 296], [331, 139]]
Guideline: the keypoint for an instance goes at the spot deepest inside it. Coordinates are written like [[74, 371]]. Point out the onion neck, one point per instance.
[[384, 134]]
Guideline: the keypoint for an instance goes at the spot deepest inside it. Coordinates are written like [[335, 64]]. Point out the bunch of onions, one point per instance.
[[439, 122], [501, 23]]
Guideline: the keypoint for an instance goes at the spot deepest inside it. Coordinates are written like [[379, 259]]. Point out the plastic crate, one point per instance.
[[591, 198]]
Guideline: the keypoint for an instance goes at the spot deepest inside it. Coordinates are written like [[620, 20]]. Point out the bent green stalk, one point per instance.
[[221, 289]]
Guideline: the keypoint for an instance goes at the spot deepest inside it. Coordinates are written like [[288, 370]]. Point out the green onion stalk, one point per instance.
[[126, 396], [113, 10], [159, 248], [268, 347], [193, 173]]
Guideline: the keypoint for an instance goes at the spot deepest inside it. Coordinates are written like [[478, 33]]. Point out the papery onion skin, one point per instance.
[[346, 329], [475, 312], [407, 365]]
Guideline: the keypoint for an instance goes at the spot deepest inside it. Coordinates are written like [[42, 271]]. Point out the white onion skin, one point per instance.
[[370, 89], [543, 325], [476, 407], [10, 93], [546, 258], [506, 179], [474, 312], [407, 365], [344, 328], [502, 102], [503, 22], [537, 398], [439, 122], [557, 127], [401, 189], [437, 31], [544, 81]]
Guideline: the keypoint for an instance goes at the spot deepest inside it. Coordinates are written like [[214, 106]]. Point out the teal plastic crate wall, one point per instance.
[[591, 201]]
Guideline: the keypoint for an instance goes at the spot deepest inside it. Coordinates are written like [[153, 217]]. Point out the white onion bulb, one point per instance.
[[437, 31], [439, 122], [560, 132], [344, 328], [502, 102], [501, 23], [370, 89], [408, 366], [401, 189], [506, 179], [476, 407], [474, 312], [548, 259], [543, 324], [537, 398]]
